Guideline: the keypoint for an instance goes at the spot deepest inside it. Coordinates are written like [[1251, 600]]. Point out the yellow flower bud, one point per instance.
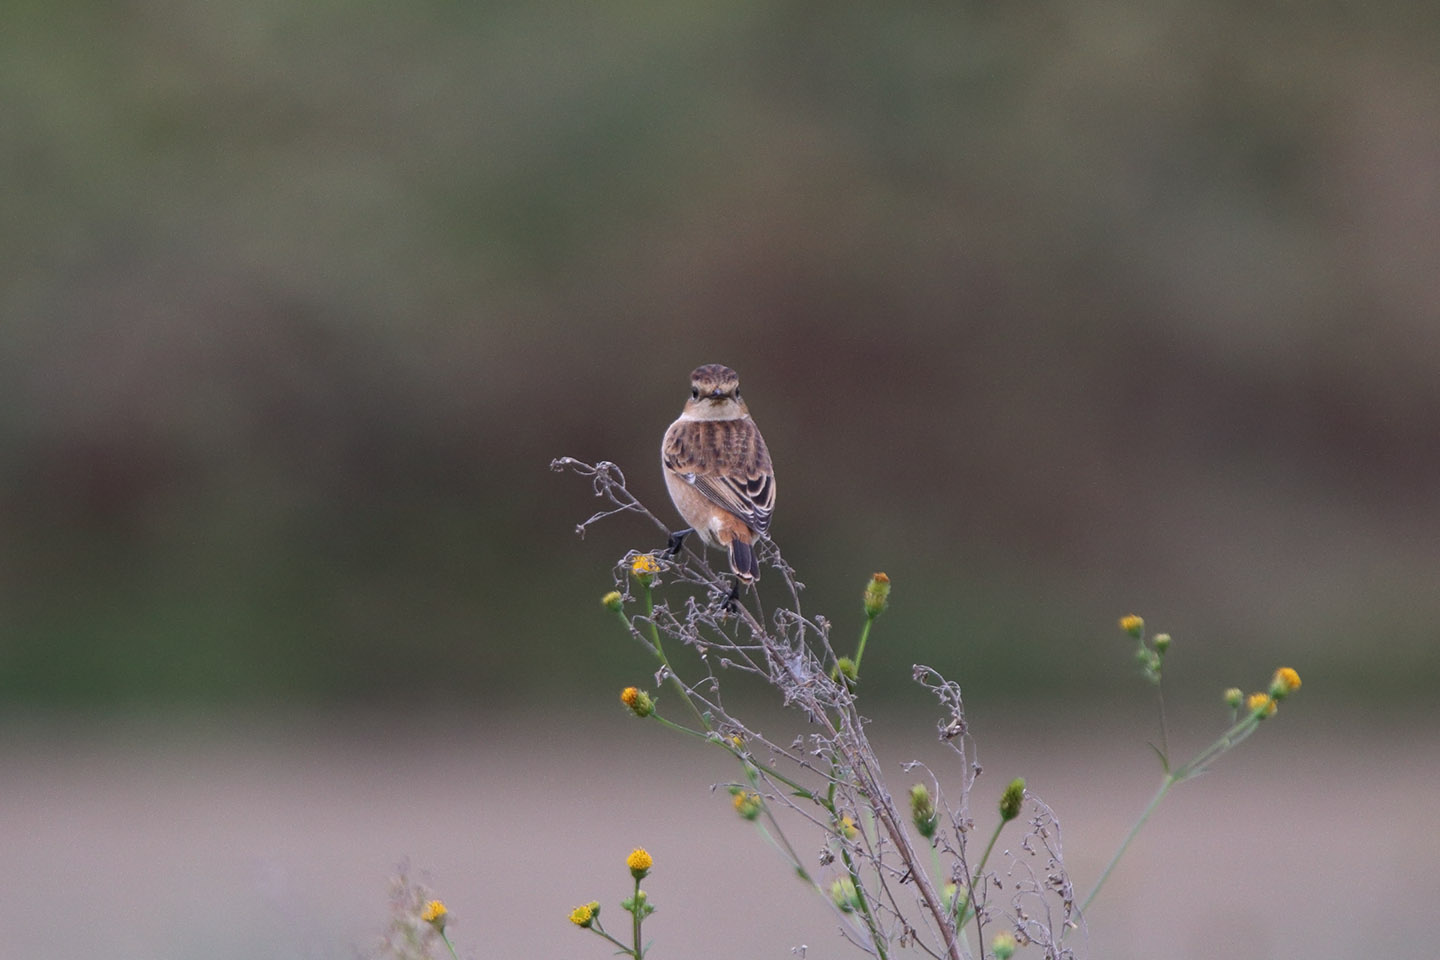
[[435, 914], [1133, 625], [643, 568], [613, 601], [639, 863], [638, 701], [747, 804], [585, 914], [1260, 704], [1286, 681]]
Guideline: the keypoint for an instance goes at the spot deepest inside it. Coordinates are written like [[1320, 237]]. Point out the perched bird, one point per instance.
[[718, 470]]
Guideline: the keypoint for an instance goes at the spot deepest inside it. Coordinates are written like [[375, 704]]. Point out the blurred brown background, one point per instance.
[[1051, 311]]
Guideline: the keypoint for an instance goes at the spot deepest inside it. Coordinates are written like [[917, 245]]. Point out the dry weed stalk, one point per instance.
[[886, 858]]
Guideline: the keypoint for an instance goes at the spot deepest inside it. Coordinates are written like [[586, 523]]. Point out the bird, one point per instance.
[[718, 471]]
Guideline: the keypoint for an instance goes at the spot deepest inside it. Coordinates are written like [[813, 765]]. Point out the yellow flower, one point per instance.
[[1285, 681], [747, 804], [612, 601], [1133, 625], [585, 914], [1003, 946], [1260, 703], [643, 568], [435, 914], [639, 863], [638, 701], [847, 827]]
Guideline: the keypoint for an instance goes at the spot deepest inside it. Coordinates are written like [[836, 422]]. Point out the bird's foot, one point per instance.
[[677, 539]]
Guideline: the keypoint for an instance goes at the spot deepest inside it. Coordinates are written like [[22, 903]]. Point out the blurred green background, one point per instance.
[[1051, 311]]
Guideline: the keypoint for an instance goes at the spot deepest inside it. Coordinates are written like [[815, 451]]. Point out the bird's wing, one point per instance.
[[727, 461]]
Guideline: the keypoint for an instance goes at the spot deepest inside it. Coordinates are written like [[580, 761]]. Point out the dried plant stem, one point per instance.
[[884, 807], [665, 661], [780, 645]]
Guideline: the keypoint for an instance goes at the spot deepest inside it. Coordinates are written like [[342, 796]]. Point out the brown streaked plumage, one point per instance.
[[718, 470]]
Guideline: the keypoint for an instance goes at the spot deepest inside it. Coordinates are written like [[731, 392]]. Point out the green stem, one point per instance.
[[677, 728], [1164, 733], [780, 842], [864, 902], [638, 917], [985, 857], [595, 928], [1227, 741], [936, 869], [769, 771], [966, 913], [449, 945], [860, 650], [1165, 785]]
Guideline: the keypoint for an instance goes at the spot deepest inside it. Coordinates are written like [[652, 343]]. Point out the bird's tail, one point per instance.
[[743, 562]]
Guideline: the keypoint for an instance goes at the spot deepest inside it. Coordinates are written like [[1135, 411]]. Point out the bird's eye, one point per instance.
[[695, 393], [737, 393]]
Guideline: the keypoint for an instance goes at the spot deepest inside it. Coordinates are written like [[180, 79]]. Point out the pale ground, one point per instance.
[[237, 838]]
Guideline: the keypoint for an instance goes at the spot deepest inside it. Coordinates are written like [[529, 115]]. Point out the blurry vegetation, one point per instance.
[[1048, 310]]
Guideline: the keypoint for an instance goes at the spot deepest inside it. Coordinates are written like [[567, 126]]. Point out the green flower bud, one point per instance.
[[844, 896], [922, 811], [877, 595], [1011, 799]]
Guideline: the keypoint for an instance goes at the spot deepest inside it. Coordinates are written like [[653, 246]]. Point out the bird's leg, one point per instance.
[[733, 595], [677, 538]]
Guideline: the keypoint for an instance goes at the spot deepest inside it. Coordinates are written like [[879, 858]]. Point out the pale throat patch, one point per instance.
[[714, 411]]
